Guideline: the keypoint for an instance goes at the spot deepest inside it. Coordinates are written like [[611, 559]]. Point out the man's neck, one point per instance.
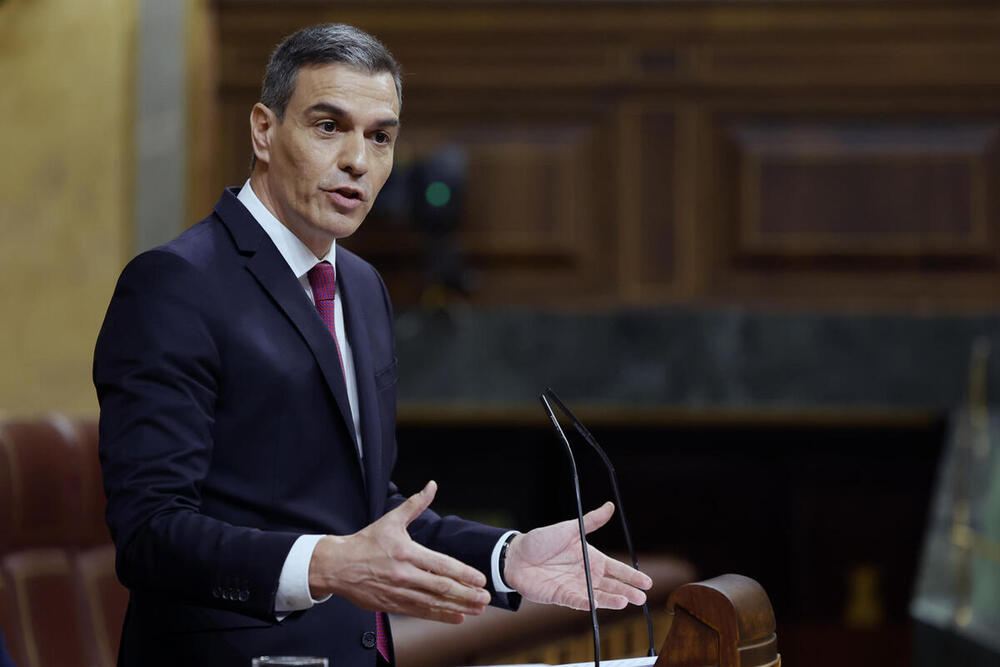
[[258, 182]]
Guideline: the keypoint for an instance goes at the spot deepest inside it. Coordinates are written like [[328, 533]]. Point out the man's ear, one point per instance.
[[262, 126]]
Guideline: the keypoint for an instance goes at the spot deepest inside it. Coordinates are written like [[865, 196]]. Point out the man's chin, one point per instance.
[[343, 229]]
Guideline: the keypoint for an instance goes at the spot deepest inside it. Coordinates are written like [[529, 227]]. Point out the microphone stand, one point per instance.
[[613, 477], [583, 533]]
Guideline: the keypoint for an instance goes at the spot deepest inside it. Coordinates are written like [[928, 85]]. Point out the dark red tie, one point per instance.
[[323, 280]]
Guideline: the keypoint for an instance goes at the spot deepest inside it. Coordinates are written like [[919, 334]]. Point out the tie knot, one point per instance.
[[322, 279]]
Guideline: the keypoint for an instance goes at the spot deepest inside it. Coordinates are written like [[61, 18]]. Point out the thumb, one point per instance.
[[417, 503], [594, 519]]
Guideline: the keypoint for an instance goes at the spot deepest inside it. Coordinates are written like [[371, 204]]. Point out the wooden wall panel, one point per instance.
[[529, 198], [825, 153], [656, 248], [838, 206], [865, 188]]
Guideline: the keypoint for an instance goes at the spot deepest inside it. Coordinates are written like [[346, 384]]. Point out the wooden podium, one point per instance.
[[725, 622], [722, 622]]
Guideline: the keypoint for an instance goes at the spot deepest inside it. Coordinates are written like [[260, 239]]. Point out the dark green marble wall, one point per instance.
[[727, 358]]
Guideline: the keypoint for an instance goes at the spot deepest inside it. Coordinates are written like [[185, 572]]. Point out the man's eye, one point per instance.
[[328, 126], [382, 138]]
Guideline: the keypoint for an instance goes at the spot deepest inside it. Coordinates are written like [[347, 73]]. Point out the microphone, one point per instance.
[[613, 478], [583, 533]]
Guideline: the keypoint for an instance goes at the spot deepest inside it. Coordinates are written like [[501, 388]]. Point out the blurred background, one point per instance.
[[755, 245]]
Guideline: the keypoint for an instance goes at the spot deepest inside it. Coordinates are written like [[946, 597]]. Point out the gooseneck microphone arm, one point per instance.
[[583, 532], [582, 430]]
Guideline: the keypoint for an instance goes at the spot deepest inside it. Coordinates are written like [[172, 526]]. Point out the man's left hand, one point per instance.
[[546, 565]]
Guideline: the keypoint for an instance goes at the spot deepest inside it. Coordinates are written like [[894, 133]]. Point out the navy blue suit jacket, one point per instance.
[[224, 436]]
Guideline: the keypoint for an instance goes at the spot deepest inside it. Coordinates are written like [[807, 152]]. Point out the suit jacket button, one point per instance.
[[244, 595], [216, 592], [368, 639]]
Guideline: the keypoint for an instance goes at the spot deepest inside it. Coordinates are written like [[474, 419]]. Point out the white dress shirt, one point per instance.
[[293, 583]]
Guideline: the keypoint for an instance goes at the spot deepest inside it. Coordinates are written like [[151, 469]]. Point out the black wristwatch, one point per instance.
[[502, 561]]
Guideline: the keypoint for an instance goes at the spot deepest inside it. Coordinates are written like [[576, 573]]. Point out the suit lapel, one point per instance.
[[272, 272], [364, 373]]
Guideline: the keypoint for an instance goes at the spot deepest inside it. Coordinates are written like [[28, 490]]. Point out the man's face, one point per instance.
[[325, 162]]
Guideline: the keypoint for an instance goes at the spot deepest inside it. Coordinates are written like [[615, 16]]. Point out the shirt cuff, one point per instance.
[[293, 583], [498, 584]]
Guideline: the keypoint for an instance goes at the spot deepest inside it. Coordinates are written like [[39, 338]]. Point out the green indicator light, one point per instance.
[[438, 194]]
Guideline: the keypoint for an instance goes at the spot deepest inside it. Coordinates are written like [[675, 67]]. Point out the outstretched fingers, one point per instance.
[[446, 567], [452, 581], [381, 567], [594, 519], [617, 589], [440, 593], [420, 604], [427, 559], [617, 570]]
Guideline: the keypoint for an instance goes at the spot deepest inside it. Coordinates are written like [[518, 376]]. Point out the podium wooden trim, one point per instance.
[[726, 622]]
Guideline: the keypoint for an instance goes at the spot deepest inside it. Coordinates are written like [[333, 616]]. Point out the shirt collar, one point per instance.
[[296, 254]]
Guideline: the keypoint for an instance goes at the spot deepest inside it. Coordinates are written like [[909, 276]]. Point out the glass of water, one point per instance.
[[298, 661]]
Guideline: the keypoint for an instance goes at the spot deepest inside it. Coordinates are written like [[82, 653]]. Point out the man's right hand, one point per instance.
[[382, 569]]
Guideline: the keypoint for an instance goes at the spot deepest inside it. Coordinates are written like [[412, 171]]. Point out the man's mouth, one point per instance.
[[350, 193], [346, 197]]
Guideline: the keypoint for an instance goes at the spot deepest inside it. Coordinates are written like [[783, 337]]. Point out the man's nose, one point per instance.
[[353, 157]]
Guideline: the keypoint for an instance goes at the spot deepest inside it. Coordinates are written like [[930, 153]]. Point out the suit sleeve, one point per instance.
[[468, 541], [157, 374]]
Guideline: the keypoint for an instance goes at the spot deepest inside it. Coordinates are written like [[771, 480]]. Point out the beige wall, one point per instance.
[[65, 105]]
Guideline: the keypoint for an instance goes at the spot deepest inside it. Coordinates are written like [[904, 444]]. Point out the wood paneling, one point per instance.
[[865, 188], [824, 153], [657, 247]]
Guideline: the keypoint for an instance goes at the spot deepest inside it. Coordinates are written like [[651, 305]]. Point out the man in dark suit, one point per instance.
[[246, 375]]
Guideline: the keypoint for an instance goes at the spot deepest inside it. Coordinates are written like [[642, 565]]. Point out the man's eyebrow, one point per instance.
[[334, 110], [326, 107]]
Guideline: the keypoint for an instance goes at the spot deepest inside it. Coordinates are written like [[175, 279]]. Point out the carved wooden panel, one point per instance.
[[529, 192], [858, 187], [847, 207]]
